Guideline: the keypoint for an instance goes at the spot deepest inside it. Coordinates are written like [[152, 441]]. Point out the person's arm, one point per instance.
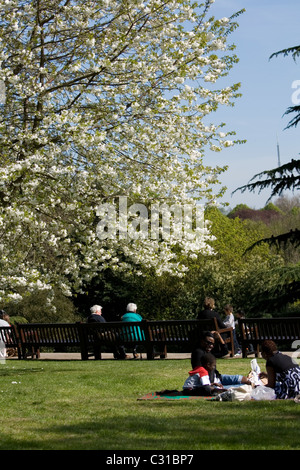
[[270, 375], [218, 337]]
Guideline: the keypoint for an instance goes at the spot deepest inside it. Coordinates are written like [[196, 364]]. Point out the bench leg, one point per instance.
[[163, 354], [33, 353], [150, 352], [84, 355], [244, 351], [97, 354]]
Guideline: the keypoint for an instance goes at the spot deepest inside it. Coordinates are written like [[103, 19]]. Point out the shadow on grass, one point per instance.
[[6, 372], [223, 426], [18, 371]]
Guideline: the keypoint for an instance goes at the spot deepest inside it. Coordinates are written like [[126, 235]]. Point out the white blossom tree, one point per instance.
[[103, 98]]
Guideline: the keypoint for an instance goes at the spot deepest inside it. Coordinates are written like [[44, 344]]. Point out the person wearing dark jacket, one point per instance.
[[96, 315], [209, 312]]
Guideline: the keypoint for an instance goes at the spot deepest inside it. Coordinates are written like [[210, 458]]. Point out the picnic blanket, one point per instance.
[[239, 394], [172, 395]]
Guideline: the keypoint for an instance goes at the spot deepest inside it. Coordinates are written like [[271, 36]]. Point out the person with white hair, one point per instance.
[[131, 315], [132, 308], [96, 315]]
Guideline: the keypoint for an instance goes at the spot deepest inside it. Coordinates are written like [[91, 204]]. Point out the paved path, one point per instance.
[[109, 356], [76, 356]]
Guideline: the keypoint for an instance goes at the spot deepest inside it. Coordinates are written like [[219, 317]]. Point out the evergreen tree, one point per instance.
[[285, 177]]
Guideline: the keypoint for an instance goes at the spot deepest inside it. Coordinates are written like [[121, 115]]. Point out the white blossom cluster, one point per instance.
[[104, 98]]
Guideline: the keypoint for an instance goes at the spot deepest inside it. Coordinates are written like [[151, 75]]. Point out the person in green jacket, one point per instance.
[[133, 332]]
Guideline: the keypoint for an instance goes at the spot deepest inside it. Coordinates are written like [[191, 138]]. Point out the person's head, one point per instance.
[[208, 361], [4, 316], [207, 341], [268, 349], [209, 303], [96, 310], [228, 309], [131, 307], [240, 313]]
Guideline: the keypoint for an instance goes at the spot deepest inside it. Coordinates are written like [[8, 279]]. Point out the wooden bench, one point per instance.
[[227, 335], [110, 335], [89, 339], [254, 331], [9, 338], [34, 336], [151, 337], [184, 332]]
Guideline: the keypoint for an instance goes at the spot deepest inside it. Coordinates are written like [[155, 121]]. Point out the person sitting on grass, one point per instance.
[[199, 382], [206, 345], [283, 373]]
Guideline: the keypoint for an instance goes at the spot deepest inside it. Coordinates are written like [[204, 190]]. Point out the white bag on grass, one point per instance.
[[242, 393], [261, 392]]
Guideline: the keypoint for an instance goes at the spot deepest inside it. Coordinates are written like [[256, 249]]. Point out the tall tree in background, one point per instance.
[[104, 98], [285, 177], [295, 52]]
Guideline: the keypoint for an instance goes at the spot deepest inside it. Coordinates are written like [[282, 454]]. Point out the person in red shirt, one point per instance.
[[199, 382]]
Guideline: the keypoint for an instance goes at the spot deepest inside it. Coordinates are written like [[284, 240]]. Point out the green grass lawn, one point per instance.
[[92, 405]]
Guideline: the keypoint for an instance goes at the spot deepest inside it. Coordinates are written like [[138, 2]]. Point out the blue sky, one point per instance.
[[267, 26]]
